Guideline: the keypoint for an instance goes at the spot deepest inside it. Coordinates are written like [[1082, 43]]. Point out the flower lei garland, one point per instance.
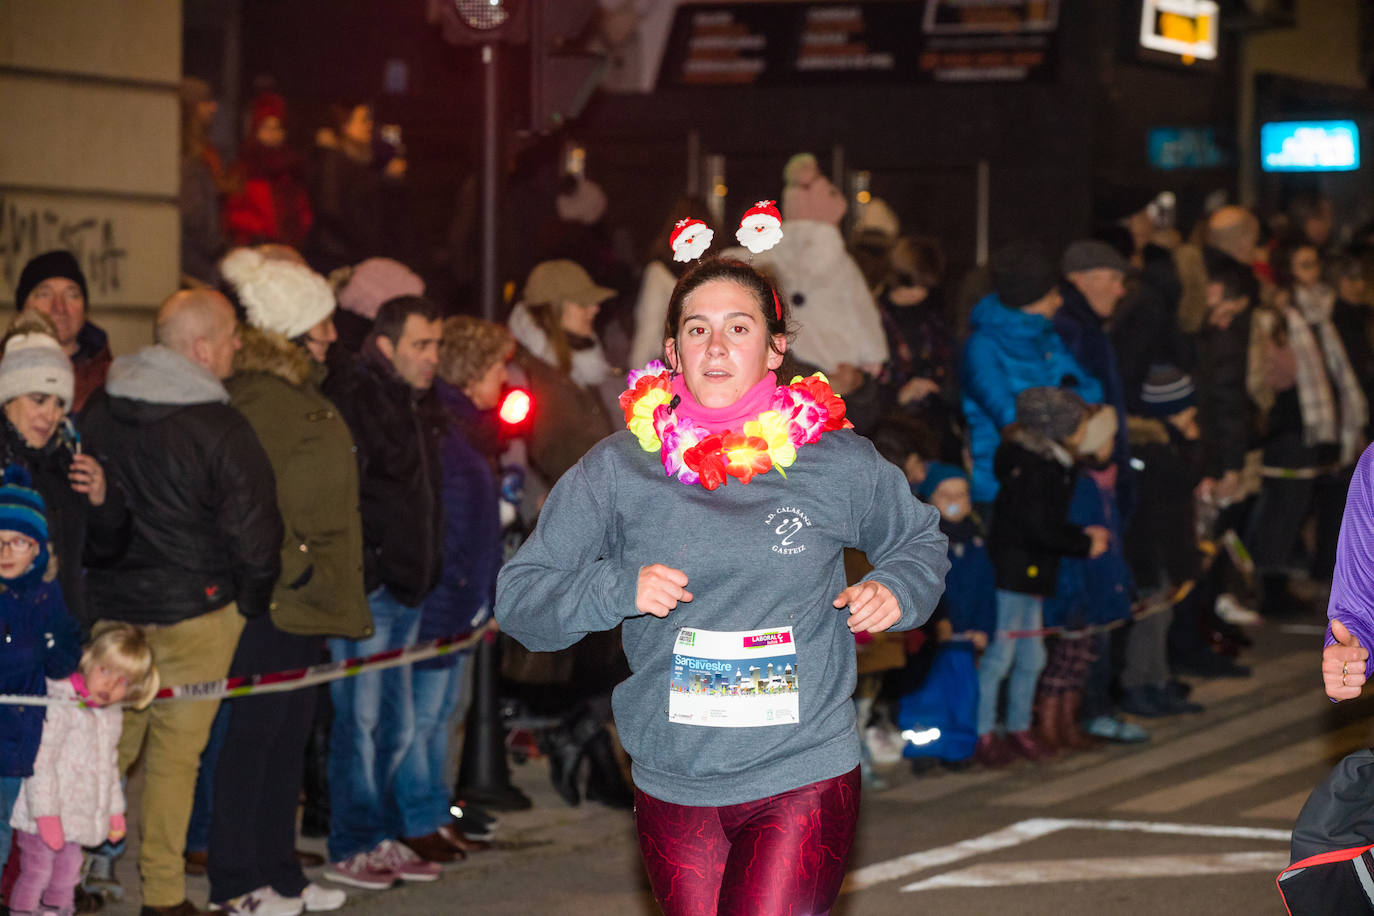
[[799, 414]]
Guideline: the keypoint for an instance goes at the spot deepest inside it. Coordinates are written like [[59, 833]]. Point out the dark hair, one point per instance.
[[898, 436], [917, 261], [1343, 267], [1281, 260], [1236, 279], [391, 317], [1304, 205], [341, 111], [773, 305]]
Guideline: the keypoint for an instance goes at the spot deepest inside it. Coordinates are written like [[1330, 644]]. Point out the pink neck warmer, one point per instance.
[[719, 419], [79, 683]]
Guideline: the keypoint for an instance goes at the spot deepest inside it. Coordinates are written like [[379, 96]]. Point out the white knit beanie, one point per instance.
[[35, 364], [279, 296]]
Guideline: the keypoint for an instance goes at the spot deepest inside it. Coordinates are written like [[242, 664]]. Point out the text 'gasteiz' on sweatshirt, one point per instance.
[[758, 557]]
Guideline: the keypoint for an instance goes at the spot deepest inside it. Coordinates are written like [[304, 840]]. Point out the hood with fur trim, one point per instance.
[[268, 351], [1034, 442]]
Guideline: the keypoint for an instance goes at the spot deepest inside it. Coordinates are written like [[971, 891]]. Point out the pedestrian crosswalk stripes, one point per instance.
[[1284, 809], [1324, 749], [1179, 751]]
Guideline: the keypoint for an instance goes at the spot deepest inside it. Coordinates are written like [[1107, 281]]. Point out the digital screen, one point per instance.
[[1309, 146]]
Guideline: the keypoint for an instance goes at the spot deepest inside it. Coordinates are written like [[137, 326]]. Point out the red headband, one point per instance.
[[777, 305]]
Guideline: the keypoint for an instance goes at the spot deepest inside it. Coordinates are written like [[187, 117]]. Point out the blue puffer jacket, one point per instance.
[[1007, 352], [1092, 591], [472, 529], [38, 639]]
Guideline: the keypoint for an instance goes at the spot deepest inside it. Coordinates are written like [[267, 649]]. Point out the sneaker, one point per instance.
[[884, 744], [318, 898], [262, 902], [474, 821], [432, 847], [1233, 612], [100, 878], [1110, 728], [1142, 701], [404, 862], [362, 870]]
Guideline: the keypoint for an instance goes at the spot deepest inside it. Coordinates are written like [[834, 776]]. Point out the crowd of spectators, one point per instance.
[[1133, 446]]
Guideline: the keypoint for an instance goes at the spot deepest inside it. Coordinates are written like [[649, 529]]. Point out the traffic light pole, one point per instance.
[[489, 180]]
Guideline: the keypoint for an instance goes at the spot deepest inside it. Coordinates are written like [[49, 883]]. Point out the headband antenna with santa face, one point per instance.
[[759, 230]]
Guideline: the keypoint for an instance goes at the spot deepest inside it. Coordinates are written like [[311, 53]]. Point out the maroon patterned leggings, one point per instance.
[[783, 855]]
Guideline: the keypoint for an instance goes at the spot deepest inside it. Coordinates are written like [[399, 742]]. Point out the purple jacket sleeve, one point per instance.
[[1352, 588]]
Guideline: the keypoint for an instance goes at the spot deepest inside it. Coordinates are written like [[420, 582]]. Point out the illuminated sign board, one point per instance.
[[1309, 146], [1184, 28]]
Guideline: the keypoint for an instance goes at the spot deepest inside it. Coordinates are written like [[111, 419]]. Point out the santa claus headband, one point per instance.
[[759, 230]]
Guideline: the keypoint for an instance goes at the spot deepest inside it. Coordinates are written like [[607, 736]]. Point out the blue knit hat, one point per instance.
[[21, 508], [937, 472], [1167, 390]]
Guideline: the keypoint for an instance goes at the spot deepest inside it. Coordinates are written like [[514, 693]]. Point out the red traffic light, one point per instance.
[[515, 407]]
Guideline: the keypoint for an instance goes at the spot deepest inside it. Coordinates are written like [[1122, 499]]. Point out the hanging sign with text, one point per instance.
[[741, 44]]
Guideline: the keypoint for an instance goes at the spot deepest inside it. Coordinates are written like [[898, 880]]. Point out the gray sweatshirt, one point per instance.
[[764, 555]]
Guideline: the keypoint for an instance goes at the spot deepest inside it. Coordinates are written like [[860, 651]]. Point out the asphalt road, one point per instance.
[[1195, 821]]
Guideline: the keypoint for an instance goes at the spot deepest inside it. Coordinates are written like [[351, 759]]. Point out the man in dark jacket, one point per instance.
[[54, 285], [386, 397], [203, 554], [1094, 275]]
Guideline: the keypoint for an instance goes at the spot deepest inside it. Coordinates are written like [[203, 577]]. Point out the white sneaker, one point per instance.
[[884, 745], [262, 902], [318, 899], [1235, 613]]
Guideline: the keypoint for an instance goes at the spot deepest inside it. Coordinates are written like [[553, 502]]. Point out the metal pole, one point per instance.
[[982, 213], [489, 179]]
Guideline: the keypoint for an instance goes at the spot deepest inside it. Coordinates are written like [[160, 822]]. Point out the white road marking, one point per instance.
[[1032, 829], [1254, 771], [1047, 871]]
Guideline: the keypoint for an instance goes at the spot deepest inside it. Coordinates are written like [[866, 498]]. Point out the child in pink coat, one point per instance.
[[74, 797]]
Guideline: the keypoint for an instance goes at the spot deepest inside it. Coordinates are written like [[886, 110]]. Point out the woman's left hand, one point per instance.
[[872, 607], [88, 477]]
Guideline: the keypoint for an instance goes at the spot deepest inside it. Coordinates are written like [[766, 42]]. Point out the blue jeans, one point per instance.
[[9, 793], [422, 792], [1024, 658], [373, 725]]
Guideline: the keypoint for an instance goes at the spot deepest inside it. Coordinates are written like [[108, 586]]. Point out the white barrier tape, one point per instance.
[[281, 681]]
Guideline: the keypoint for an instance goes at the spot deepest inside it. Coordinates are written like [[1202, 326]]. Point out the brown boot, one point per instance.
[[1068, 724], [1049, 714]]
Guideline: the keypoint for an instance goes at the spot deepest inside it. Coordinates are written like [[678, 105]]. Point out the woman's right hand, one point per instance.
[[660, 589]]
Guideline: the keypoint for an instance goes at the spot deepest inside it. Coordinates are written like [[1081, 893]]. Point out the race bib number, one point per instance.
[[742, 679]]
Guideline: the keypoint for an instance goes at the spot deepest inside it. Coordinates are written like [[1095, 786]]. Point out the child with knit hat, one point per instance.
[[941, 711], [1161, 542], [39, 639], [1030, 533], [75, 797]]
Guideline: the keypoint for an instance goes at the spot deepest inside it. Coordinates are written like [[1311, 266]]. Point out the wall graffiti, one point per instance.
[[27, 229]]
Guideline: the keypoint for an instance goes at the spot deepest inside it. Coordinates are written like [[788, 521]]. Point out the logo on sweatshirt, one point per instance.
[[788, 525]]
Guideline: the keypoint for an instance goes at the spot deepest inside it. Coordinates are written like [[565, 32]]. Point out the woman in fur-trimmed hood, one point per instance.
[[276, 386]]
